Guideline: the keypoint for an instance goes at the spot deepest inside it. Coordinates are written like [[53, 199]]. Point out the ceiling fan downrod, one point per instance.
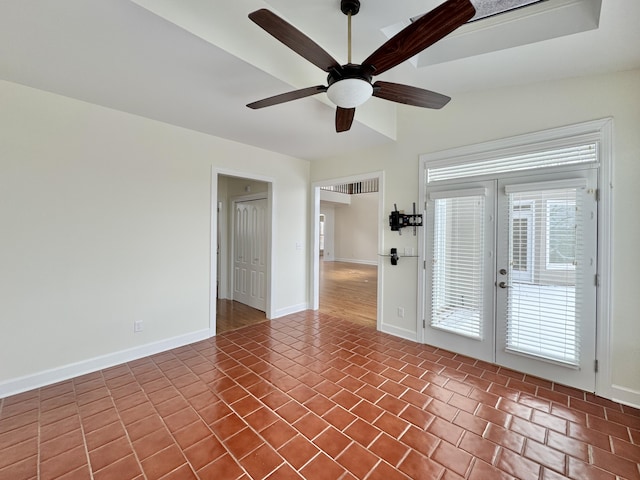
[[349, 8]]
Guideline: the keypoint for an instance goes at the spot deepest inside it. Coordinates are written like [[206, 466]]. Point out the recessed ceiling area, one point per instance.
[[503, 24], [562, 39], [489, 8]]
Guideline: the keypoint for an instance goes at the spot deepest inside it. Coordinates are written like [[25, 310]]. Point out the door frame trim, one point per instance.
[[314, 280], [213, 242], [600, 130]]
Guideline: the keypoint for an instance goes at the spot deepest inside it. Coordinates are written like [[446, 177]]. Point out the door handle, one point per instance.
[[503, 285]]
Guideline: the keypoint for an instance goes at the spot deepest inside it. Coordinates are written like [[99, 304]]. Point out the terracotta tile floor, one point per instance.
[[310, 396]]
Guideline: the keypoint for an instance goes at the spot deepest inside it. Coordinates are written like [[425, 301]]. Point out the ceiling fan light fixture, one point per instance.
[[350, 92]]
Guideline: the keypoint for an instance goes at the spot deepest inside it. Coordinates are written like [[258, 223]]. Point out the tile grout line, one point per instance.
[[84, 437], [39, 435], [118, 412], [162, 419]]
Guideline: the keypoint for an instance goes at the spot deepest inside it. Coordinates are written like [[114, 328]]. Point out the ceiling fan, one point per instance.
[[350, 85]]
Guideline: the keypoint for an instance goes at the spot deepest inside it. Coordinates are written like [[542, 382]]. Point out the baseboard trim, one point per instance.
[[625, 395], [361, 262], [283, 312], [55, 375], [399, 332]]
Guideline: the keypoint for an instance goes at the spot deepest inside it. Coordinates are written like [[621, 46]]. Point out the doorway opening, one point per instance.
[[242, 251], [347, 239]]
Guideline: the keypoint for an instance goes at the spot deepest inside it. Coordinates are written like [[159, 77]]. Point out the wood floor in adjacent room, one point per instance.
[[314, 396], [347, 290]]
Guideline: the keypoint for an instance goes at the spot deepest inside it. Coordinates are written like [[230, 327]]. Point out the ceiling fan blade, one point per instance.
[[287, 97], [396, 92], [344, 118], [425, 31], [293, 38]]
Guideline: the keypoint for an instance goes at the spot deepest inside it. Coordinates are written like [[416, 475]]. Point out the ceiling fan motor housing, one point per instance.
[[350, 6], [350, 70], [349, 85]]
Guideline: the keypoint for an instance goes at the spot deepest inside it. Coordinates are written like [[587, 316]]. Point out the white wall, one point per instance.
[[106, 219], [477, 117], [356, 230]]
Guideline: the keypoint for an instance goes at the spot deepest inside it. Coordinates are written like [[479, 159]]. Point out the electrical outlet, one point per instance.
[[401, 312], [138, 326]]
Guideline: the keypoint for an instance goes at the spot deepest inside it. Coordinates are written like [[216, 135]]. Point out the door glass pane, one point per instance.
[[519, 239], [561, 236], [543, 309], [458, 265], [522, 242]]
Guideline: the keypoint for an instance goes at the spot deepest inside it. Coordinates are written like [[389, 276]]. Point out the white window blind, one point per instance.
[[578, 154], [458, 262], [543, 311]]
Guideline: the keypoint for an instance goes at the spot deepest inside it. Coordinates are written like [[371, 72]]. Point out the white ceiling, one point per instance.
[[196, 63]]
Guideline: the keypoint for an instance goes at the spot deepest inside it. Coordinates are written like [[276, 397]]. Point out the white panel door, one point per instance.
[[250, 253], [546, 289]]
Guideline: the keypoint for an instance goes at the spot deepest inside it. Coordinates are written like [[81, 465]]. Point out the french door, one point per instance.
[[460, 252], [512, 276]]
